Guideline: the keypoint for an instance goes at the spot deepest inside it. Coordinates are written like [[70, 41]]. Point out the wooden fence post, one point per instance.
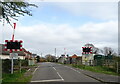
[[117, 67]]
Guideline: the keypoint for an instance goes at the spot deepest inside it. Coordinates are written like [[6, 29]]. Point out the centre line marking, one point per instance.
[[54, 68], [58, 74]]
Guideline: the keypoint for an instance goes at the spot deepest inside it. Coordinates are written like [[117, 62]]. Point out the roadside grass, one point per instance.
[[98, 69], [17, 77]]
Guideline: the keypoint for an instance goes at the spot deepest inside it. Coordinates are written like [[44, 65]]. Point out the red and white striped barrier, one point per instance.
[[13, 31]]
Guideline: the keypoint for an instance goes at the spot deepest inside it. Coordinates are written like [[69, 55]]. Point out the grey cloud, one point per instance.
[[43, 38]]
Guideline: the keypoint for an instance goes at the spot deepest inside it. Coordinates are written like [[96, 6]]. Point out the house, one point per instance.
[[74, 59], [62, 59], [28, 55], [69, 60], [79, 60]]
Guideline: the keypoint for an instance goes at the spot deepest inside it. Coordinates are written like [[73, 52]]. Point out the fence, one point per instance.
[[112, 64], [6, 65]]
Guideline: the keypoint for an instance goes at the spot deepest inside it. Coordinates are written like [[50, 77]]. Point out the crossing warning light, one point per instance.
[[13, 45], [87, 50]]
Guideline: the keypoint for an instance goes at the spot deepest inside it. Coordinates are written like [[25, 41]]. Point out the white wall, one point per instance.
[[8, 57]]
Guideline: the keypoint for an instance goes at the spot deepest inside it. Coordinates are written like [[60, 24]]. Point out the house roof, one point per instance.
[[74, 56]]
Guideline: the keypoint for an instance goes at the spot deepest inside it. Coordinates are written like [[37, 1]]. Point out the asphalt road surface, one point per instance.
[[52, 72]]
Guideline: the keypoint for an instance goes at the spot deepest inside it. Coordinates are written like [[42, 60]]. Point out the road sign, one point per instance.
[[13, 55]]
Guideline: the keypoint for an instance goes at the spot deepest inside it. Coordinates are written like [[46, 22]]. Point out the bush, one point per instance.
[[24, 62], [6, 66]]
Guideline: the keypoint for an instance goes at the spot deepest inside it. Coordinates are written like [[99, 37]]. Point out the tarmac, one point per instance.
[[112, 79]]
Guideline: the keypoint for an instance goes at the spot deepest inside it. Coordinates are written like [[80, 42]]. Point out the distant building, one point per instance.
[[62, 59], [34, 55], [74, 59]]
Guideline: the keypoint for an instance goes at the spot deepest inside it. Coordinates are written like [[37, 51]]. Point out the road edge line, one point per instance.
[[35, 70]]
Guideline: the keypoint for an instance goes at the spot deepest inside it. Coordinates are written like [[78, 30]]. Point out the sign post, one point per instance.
[[13, 56], [13, 45], [12, 65]]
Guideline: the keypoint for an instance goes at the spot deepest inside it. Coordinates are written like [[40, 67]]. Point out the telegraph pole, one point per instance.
[[41, 55], [55, 52], [65, 51]]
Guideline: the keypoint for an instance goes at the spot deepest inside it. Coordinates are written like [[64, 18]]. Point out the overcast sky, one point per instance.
[[67, 25]]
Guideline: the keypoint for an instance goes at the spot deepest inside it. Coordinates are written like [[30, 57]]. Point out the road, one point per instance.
[[52, 72]]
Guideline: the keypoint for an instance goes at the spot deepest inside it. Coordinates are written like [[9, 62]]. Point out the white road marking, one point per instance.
[[59, 64], [48, 80], [28, 70], [60, 76], [72, 69], [54, 68], [67, 66], [35, 70]]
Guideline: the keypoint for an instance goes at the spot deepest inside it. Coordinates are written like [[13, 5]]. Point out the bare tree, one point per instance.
[[11, 10], [89, 45], [50, 58], [108, 51], [95, 50]]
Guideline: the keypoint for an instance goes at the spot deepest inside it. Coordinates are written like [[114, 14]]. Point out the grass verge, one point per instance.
[[16, 77], [98, 69]]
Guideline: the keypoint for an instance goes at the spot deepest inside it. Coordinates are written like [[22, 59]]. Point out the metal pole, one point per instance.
[[12, 65]]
